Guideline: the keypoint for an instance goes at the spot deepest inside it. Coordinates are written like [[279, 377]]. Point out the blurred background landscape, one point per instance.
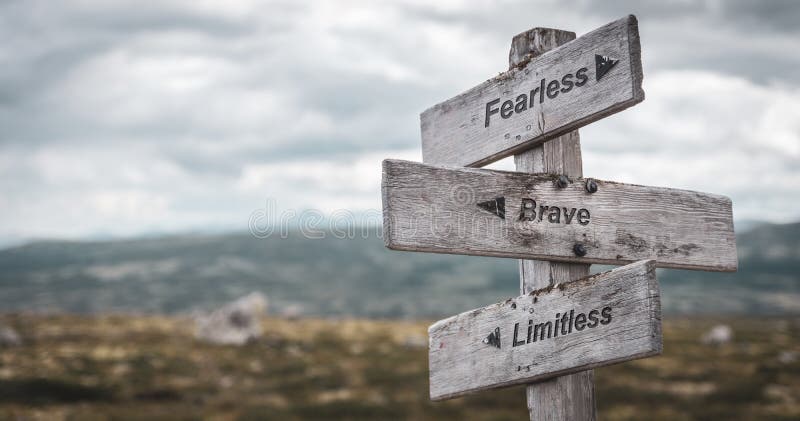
[[349, 277], [177, 182]]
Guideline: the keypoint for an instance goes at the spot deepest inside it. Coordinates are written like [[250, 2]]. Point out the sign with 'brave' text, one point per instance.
[[547, 217]]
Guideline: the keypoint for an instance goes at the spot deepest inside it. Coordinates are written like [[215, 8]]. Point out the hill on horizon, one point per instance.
[[355, 277]]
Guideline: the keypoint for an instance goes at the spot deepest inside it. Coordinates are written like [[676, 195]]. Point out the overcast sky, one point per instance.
[[120, 119]]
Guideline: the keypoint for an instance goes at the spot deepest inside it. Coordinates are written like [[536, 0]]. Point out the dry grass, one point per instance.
[[126, 367]]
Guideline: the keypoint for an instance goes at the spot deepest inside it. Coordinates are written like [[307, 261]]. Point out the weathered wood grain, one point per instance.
[[568, 397], [436, 209], [456, 131], [611, 317]]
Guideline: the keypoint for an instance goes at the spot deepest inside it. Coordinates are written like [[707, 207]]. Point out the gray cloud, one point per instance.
[[196, 114], [769, 16]]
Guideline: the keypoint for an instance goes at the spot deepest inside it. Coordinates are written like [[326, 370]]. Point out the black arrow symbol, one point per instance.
[[493, 338], [495, 206], [603, 64]]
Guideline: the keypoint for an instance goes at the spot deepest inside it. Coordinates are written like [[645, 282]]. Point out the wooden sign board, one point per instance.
[[528, 216], [591, 322], [582, 81]]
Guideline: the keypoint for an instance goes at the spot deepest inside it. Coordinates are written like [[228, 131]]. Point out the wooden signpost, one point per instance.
[[533, 216], [564, 323], [587, 79], [591, 322]]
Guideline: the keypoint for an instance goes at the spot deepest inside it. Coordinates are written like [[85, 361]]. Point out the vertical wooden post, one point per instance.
[[568, 397]]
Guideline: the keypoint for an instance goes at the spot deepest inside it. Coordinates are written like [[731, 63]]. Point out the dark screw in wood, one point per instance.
[[579, 249], [591, 186], [562, 182]]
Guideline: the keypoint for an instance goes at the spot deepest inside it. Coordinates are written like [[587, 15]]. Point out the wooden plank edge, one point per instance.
[[650, 353], [393, 244], [386, 167], [635, 49], [654, 306], [390, 163]]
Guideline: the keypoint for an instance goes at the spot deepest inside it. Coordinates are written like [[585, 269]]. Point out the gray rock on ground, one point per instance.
[[718, 335], [235, 323], [788, 357], [9, 337]]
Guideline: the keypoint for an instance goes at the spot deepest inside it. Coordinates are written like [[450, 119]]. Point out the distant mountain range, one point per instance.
[[347, 277]]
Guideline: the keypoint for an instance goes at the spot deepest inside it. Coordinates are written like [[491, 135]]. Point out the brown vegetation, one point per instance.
[[131, 367]]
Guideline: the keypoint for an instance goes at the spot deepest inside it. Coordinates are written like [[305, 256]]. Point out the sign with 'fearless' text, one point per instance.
[[575, 84]]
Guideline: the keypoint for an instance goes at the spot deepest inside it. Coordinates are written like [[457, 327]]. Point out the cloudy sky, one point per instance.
[[120, 119]]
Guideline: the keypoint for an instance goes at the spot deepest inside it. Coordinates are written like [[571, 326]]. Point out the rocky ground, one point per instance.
[[134, 367]]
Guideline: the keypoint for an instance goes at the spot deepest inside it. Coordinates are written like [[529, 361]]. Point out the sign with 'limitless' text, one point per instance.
[[574, 326]]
